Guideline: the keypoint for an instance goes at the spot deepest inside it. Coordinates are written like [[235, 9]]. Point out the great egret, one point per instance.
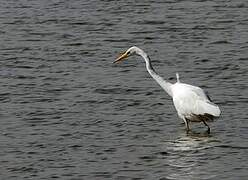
[[191, 102]]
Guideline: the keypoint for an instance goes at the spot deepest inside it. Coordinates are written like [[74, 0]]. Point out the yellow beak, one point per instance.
[[121, 57]]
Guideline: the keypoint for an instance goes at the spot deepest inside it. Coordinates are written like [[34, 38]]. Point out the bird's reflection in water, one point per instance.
[[198, 135], [187, 154]]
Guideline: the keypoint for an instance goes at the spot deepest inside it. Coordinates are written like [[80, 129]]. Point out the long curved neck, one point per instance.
[[163, 83]]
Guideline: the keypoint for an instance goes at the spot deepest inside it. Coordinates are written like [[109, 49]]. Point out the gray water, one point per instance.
[[67, 112]]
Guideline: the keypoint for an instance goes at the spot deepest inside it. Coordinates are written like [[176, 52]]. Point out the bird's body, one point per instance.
[[191, 102]]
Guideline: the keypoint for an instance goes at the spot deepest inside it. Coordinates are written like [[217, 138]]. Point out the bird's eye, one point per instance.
[[128, 53]]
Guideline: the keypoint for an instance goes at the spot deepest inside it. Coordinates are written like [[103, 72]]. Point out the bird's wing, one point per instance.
[[204, 103], [207, 107], [189, 100], [199, 91]]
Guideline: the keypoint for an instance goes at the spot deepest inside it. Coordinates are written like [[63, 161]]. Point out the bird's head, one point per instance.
[[131, 51]]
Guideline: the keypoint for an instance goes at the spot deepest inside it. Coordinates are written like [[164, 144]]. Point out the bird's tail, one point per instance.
[[209, 108]]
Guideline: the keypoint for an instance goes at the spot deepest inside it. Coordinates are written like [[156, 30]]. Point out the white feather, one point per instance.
[[190, 100]]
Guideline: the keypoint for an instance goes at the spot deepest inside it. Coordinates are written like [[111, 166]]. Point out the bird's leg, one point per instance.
[[187, 124], [207, 126]]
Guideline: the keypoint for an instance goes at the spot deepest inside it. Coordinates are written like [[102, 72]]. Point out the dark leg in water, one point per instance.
[[207, 126], [187, 125]]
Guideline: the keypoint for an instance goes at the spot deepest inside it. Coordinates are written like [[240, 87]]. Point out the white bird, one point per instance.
[[191, 102]]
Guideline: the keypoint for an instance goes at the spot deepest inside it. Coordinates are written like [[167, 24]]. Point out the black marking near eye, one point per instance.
[[128, 52]]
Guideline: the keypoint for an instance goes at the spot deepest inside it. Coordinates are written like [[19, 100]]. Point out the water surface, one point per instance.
[[67, 112]]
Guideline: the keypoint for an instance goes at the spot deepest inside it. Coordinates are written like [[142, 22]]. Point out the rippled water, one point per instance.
[[67, 112]]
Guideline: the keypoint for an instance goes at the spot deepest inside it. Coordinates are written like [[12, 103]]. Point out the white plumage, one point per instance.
[[191, 102]]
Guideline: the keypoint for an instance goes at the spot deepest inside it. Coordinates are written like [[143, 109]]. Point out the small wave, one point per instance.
[[149, 22], [221, 42], [73, 44], [114, 91], [232, 147]]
